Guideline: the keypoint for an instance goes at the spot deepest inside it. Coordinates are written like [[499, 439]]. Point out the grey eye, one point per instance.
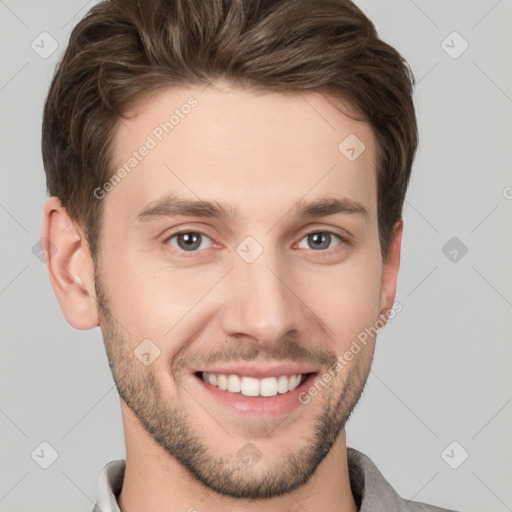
[[320, 240], [188, 240]]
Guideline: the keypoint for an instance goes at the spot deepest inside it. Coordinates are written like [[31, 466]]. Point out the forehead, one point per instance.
[[246, 148]]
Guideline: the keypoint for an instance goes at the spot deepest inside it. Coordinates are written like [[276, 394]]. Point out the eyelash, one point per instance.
[[192, 254]]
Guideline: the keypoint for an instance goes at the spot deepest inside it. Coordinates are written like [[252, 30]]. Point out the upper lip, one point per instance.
[[259, 370]]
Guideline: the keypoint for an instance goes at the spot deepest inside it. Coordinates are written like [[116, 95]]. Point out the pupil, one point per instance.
[[323, 238], [190, 240]]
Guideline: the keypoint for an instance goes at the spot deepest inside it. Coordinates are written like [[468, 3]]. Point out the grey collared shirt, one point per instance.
[[371, 490]]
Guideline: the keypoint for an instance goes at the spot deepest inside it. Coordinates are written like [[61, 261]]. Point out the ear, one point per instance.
[[390, 272], [69, 265]]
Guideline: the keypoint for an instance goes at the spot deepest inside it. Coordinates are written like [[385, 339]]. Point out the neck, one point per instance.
[[153, 482]]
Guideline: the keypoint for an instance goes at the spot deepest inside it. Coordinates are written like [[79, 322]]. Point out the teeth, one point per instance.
[[282, 384], [222, 382], [268, 386], [249, 386], [234, 384], [296, 382]]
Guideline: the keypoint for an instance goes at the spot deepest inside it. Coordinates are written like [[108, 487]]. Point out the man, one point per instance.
[[226, 181]]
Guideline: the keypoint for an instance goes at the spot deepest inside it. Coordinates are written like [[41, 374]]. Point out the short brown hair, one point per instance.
[[124, 50]]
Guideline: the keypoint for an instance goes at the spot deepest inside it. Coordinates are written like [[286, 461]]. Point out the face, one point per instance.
[[272, 273]]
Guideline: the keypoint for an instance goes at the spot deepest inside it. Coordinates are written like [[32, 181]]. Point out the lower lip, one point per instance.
[[278, 405]]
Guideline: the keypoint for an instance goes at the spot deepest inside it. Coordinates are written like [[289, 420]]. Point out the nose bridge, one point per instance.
[[260, 303]]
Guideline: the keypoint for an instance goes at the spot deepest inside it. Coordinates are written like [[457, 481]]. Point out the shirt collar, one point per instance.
[[371, 490], [109, 486]]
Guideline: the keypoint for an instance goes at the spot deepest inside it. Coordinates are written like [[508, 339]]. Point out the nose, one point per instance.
[[261, 305]]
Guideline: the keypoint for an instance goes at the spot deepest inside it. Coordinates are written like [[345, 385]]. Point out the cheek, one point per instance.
[[151, 298], [346, 300]]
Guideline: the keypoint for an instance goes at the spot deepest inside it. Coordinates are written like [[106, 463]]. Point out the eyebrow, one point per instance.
[[174, 206]]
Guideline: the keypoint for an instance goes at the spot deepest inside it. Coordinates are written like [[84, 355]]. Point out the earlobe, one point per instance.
[[69, 266], [390, 272]]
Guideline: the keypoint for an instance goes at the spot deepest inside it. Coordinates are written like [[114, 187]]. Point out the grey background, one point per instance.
[[442, 366]]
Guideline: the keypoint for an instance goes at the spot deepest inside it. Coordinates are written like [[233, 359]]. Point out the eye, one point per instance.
[[321, 240], [188, 241]]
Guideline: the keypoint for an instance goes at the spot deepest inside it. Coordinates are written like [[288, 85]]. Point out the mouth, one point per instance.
[[251, 386], [268, 396]]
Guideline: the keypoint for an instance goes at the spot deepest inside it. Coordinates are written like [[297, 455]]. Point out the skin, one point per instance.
[[260, 153]]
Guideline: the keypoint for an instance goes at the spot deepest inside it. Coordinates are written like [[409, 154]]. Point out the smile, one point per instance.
[[250, 386]]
